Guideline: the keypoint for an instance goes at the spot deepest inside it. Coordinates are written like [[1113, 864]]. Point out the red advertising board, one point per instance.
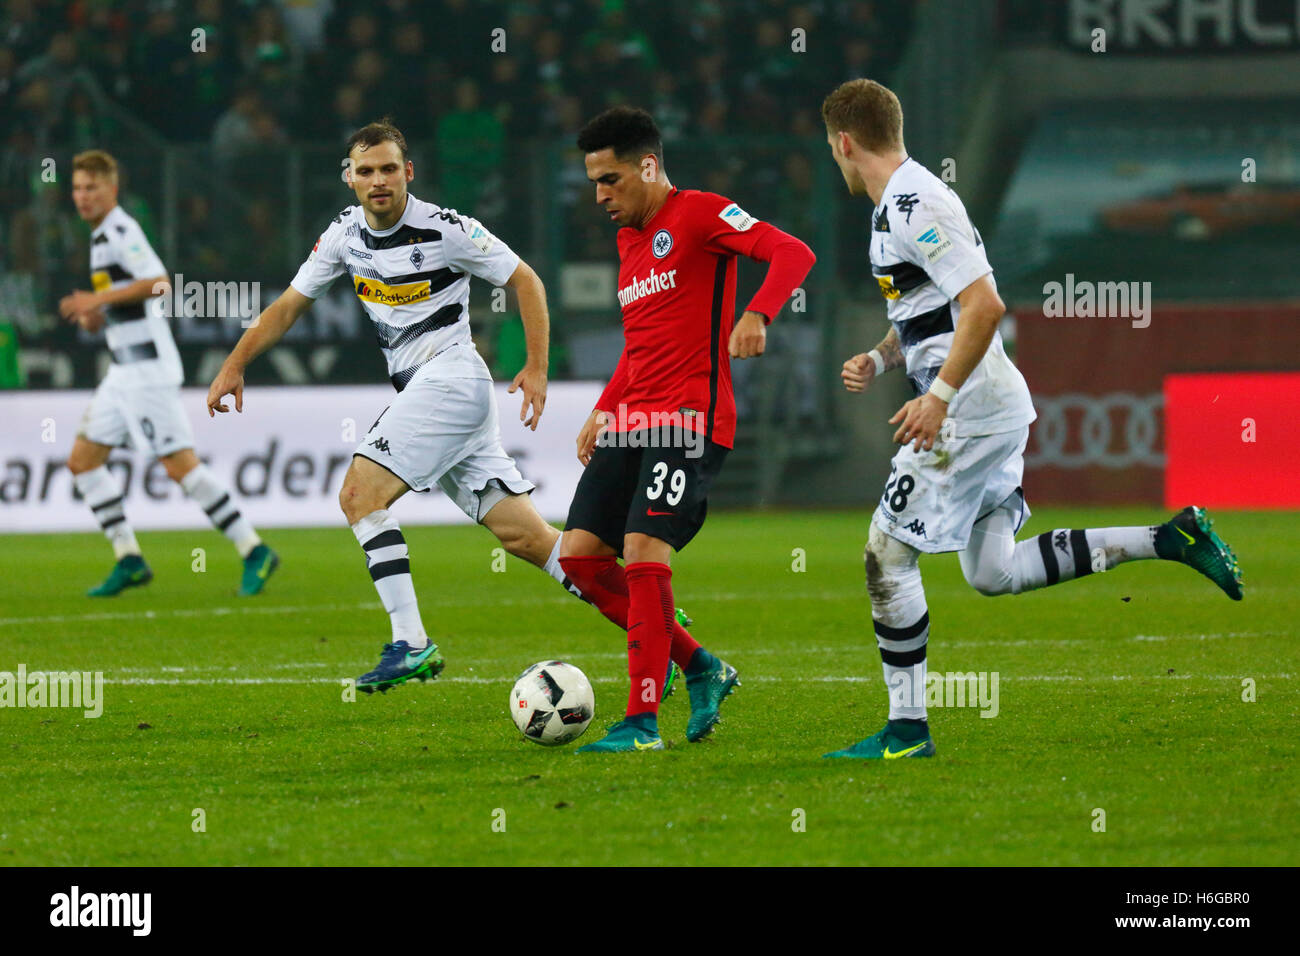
[[1230, 440], [1099, 388]]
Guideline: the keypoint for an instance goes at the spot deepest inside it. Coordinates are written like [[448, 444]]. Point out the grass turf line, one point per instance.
[[288, 773]]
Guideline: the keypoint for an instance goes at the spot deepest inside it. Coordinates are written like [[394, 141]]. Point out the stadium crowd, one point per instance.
[[476, 85]]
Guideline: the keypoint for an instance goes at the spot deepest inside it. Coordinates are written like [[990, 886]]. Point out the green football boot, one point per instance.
[[674, 672], [258, 566], [708, 689], [895, 740], [129, 572], [400, 663], [627, 736], [1188, 537], [670, 682]]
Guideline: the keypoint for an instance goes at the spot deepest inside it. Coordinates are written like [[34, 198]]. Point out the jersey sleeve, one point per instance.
[[729, 229], [324, 264], [471, 248], [725, 227], [942, 241], [137, 256]]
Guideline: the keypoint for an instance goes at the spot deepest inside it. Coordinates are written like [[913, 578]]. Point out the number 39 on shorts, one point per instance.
[[676, 484], [897, 490]]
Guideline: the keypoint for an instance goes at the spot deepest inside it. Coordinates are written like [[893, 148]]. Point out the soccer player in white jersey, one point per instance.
[[955, 483], [138, 404], [410, 263]]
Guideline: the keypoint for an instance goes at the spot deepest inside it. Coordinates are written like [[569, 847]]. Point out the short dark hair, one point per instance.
[[630, 132], [380, 131]]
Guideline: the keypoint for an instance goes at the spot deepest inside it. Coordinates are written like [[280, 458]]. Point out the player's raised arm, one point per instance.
[[269, 328], [537, 336], [789, 262], [861, 370]]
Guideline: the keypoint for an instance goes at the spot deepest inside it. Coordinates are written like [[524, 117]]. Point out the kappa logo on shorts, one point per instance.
[[1062, 542], [917, 527], [381, 444]]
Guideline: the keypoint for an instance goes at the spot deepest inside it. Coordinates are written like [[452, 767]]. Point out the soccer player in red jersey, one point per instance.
[[659, 433]]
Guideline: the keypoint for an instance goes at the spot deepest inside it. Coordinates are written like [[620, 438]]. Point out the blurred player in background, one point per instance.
[[409, 262], [138, 404], [644, 493], [955, 483]]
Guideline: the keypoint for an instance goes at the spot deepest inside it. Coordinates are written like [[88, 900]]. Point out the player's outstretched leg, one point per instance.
[[995, 563], [102, 492], [902, 624], [207, 491], [602, 582], [525, 534]]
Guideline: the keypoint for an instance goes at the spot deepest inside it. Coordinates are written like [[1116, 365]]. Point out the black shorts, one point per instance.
[[628, 488]]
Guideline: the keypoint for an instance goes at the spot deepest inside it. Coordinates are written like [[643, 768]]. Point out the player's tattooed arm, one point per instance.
[[891, 350], [860, 371]]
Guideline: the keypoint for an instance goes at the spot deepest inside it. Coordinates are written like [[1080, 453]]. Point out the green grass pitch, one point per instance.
[[1121, 693]]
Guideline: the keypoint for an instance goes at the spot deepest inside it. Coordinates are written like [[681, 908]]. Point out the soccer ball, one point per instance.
[[552, 703]]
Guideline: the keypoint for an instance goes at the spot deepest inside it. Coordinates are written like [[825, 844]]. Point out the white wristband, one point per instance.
[[942, 390], [878, 359]]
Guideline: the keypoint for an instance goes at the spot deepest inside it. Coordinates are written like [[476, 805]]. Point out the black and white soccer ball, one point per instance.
[[552, 703]]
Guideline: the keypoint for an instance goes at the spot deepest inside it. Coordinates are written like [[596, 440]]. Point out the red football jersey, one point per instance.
[[677, 289]]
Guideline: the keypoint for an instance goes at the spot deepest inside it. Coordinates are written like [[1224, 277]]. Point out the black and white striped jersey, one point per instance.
[[924, 253], [412, 279], [138, 335]]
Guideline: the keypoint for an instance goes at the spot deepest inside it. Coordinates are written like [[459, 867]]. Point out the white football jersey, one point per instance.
[[924, 253], [138, 336], [412, 279]]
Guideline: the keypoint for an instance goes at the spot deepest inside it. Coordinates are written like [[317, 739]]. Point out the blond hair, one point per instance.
[[867, 111], [96, 162]]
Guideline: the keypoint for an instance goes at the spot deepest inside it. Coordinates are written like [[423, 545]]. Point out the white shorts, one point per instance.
[[442, 429], [933, 498], [147, 418]]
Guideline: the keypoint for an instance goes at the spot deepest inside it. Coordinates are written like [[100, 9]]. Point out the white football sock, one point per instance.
[[1064, 554], [207, 491], [901, 622], [995, 563], [552, 567], [101, 490], [390, 568]]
